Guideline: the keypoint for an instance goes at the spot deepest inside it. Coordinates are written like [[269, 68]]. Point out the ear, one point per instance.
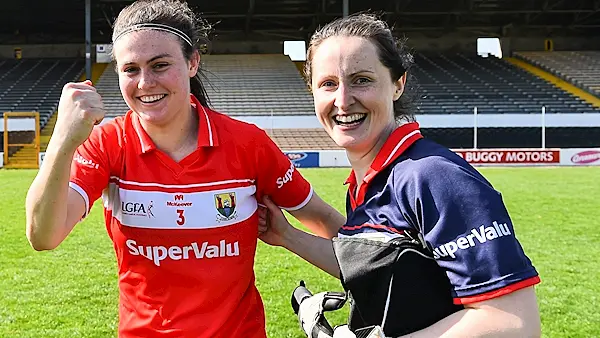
[[399, 84], [194, 64]]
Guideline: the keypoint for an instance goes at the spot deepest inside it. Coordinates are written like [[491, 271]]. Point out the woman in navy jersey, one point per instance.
[[428, 248]]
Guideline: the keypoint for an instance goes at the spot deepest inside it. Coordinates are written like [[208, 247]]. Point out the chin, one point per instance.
[[154, 117], [346, 142]]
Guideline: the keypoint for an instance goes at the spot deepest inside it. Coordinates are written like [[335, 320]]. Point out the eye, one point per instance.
[[160, 65], [130, 70], [328, 84], [362, 80]]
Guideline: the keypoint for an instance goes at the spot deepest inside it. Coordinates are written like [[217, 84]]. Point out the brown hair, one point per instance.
[[393, 54], [176, 14]]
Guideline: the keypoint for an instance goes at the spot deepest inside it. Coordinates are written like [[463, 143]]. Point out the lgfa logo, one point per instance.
[[137, 209]]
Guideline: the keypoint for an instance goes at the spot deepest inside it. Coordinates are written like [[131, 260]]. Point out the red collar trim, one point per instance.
[[207, 133], [396, 144]]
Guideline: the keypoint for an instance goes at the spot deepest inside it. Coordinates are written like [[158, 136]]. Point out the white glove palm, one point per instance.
[[310, 313]]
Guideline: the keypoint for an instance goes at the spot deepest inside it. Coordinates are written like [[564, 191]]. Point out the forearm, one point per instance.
[[320, 218], [314, 249], [498, 318], [46, 202]]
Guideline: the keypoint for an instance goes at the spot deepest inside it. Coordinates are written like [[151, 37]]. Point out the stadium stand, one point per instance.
[[299, 139], [581, 68], [236, 85], [456, 83], [36, 84], [449, 84], [264, 85]]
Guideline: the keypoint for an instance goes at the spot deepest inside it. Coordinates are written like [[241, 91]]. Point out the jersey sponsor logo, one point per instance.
[[137, 209], [225, 204], [159, 253], [477, 236], [83, 161], [287, 177], [179, 202]]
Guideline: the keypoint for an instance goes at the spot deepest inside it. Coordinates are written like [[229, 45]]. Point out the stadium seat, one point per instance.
[[459, 82], [236, 85], [36, 84], [581, 68]]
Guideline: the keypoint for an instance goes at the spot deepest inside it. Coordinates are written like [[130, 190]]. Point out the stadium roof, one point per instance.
[[61, 21]]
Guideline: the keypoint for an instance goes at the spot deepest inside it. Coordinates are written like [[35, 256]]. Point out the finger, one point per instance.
[[262, 229], [86, 86], [270, 205]]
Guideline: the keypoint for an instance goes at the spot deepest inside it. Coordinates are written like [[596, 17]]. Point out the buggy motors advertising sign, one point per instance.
[[580, 156], [511, 156]]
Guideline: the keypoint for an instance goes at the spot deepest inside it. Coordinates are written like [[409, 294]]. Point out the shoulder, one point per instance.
[[113, 128], [428, 163], [230, 128], [108, 138]]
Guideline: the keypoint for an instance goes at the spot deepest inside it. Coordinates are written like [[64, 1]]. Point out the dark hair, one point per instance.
[[176, 14], [393, 54]]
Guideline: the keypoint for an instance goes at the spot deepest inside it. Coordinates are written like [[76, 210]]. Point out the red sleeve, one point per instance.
[[278, 177], [90, 170]]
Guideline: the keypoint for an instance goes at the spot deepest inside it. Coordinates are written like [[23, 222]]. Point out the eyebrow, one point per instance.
[[363, 71], [160, 56]]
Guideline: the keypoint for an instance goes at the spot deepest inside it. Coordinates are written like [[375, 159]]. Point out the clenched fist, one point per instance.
[[79, 109]]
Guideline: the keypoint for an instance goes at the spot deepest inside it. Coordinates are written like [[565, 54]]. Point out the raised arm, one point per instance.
[[52, 207]]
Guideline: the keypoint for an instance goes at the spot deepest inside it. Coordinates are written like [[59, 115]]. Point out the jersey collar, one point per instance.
[[207, 133], [398, 141]]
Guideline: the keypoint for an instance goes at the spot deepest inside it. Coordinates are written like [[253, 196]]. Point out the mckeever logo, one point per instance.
[[477, 236], [179, 202]]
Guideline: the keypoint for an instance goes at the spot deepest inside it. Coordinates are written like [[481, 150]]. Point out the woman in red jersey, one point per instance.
[[428, 248], [179, 182]]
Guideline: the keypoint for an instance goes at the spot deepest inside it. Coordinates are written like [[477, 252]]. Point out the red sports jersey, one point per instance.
[[185, 233]]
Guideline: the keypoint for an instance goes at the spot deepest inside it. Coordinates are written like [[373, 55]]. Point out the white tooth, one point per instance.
[[151, 98], [349, 118]]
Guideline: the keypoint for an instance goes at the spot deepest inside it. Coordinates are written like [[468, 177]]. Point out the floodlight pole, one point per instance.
[[88, 38], [346, 8], [543, 127], [475, 128]]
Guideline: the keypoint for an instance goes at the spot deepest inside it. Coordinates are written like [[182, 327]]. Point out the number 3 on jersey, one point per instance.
[[181, 219]]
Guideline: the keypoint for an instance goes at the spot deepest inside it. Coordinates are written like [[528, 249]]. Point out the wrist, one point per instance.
[[59, 152]]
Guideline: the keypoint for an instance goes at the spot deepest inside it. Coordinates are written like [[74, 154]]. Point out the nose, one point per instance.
[[344, 97], [146, 80]]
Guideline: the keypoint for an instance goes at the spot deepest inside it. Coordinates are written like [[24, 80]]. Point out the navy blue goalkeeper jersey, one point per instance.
[[415, 183]]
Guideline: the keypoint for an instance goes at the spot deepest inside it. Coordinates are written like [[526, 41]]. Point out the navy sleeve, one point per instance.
[[467, 226]]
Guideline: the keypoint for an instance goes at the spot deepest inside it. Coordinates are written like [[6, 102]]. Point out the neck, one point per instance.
[[178, 137], [361, 159]]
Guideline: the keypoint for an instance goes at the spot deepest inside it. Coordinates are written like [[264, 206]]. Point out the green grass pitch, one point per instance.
[[72, 291]]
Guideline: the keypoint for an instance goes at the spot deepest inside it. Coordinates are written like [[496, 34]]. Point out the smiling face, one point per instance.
[[154, 75], [353, 92]]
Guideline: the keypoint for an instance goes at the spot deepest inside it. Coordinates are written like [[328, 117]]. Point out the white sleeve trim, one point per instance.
[[84, 195], [305, 202]]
